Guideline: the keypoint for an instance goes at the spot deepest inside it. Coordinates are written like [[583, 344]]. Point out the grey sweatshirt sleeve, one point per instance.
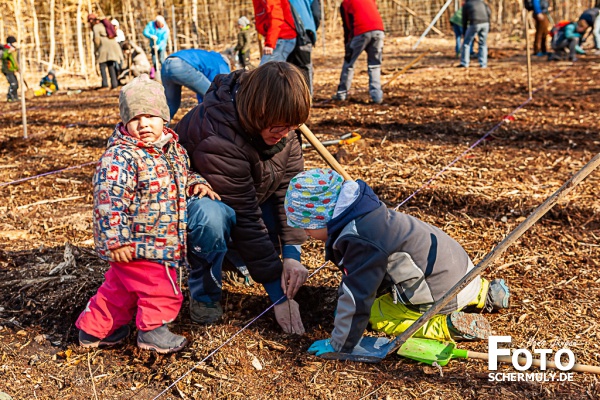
[[364, 266]]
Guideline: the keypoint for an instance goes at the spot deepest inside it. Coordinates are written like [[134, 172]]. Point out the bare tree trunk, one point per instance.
[[51, 35], [195, 22], [17, 9], [36, 34], [132, 22], [186, 26], [124, 21], [174, 28], [81, 49], [65, 42], [90, 39], [208, 26]]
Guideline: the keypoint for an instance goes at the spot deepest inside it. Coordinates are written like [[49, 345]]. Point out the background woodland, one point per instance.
[[53, 34]]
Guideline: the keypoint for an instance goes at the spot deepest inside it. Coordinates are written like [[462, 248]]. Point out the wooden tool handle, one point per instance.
[[329, 159], [536, 362]]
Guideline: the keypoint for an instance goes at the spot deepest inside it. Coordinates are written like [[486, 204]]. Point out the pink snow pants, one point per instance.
[[144, 286]]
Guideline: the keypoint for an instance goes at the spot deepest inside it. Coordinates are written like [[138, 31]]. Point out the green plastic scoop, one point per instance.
[[429, 351]]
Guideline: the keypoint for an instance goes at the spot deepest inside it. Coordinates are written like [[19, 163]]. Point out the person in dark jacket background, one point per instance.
[[9, 67], [476, 21], [242, 140], [592, 17], [379, 250], [363, 31], [307, 14]]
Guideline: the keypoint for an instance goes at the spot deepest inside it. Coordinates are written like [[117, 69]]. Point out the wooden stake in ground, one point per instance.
[[502, 246], [406, 68], [22, 82], [529, 84], [158, 77]]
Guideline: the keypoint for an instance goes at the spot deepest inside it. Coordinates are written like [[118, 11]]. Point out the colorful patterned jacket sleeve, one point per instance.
[[115, 184]]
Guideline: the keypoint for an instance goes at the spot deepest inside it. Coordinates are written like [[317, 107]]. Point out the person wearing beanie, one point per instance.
[[592, 17], [109, 55], [48, 85], [394, 266], [244, 43], [120, 38], [158, 33], [9, 67], [141, 186]]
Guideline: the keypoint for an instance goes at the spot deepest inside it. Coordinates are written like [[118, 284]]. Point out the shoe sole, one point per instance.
[[474, 325], [103, 342], [99, 344], [153, 347]]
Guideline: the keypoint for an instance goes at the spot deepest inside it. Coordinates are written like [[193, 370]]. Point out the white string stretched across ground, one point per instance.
[[442, 171]]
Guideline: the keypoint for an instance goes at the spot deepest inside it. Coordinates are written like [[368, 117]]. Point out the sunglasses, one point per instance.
[[283, 128]]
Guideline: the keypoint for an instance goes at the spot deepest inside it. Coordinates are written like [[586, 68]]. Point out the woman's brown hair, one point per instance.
[[274, 94]]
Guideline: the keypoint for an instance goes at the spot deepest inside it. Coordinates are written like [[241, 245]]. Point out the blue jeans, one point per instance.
[[372, 43], [481, 30], [282, 50], [162, 54], [176, 73], [209, 228], [458, 31], [209, 231]]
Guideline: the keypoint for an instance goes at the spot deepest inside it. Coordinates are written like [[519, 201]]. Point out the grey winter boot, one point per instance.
[[88, 341], [205, 313], [161, 340], [463, 326]]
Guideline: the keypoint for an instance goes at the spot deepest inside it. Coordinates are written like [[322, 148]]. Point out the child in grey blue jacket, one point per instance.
[[380, 250]]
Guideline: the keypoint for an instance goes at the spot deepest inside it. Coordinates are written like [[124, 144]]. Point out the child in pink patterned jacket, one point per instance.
[[140, 189]]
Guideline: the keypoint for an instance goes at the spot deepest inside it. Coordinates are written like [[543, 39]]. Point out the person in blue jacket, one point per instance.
[[194, 69], [158, 33]]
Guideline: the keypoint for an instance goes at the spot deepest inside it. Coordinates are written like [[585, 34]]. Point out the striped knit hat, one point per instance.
[[311, 198]]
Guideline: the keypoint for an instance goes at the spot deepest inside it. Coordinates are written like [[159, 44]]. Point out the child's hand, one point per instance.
[[202, 190], [122, 254], [267, 50]]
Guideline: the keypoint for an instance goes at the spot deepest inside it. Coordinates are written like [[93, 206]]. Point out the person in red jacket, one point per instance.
[[275, 21], [363, 31]]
